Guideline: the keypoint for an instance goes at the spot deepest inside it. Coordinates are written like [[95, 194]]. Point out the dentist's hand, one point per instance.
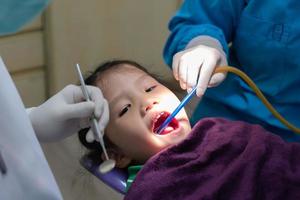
[[67, 112], [196, 66]]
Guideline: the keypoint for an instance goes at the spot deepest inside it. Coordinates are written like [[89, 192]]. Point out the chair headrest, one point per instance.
[[116, 178]]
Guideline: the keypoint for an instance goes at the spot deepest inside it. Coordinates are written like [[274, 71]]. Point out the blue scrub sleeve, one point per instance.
[[14, 14], [215, 18]]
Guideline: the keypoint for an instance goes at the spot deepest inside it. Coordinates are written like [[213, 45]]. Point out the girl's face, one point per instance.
[[138, 106]]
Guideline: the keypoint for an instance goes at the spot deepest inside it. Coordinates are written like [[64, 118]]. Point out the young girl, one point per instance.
[[217, 159], [138, 104]]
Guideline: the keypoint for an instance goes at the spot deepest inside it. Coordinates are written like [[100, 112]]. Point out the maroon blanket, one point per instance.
[[222, 159]]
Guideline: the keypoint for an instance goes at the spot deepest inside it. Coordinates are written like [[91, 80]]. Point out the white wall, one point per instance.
[[24, 56], [93, 31]]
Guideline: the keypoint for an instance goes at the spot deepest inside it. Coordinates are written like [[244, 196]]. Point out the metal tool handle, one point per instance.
[[95, 126]]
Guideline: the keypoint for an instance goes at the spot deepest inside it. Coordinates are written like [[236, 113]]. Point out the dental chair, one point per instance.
[[116, 178]]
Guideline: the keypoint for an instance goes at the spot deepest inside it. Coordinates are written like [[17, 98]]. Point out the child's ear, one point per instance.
[[122, 161]]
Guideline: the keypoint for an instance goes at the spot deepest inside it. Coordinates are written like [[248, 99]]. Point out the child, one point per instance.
[[217, 159]]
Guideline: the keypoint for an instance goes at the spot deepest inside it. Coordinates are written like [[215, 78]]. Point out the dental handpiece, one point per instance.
[[186, 99]]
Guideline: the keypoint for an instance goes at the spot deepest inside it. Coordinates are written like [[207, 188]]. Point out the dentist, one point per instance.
[[24, 171], [264, 43]]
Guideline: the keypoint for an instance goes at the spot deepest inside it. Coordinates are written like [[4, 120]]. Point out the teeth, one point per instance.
[[169, 129], [158, 116]]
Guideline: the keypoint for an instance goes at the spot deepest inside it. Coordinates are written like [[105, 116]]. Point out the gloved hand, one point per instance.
[[67, 112], [196, 64]]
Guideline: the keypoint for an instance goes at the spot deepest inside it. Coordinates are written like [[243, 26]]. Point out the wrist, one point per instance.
[[206, 41]]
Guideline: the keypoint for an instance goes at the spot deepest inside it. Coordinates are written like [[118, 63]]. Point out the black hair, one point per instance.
[[91, 79]]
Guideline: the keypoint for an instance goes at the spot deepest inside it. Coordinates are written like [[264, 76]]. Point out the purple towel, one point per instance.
[[222, 159]]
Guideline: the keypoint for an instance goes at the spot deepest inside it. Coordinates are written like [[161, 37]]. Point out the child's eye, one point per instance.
[[150, 88], [124, 110]]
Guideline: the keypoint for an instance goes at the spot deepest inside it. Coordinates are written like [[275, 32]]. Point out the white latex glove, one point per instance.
[[196, 64], [67, 112]]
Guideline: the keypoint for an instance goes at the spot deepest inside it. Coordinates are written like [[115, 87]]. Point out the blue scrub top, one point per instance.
[[265, 37]]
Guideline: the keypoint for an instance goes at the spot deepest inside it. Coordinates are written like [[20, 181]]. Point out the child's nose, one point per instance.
[[150, 106]]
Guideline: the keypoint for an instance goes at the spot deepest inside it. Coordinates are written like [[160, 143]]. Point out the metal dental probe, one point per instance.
[[108, 164]]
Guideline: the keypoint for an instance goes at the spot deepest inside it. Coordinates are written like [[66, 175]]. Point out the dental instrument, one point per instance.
[[174, 113], [108, 164], [252, 85]]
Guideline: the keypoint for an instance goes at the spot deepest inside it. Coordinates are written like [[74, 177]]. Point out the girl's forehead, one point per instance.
[[122, 71], [119, 76]]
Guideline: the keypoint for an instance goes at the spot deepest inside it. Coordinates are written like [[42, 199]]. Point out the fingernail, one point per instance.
[[199, 92], [89, 138], [189, 90], [97, 114], [101, 127]]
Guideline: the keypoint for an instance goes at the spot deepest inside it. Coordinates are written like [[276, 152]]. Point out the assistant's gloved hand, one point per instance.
[[196, 64], [67, 112]]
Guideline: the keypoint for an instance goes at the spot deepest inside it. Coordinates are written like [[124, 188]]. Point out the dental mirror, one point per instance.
[[108, 164]]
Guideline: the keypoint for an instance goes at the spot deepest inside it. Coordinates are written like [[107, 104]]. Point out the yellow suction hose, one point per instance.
[[259, 94]]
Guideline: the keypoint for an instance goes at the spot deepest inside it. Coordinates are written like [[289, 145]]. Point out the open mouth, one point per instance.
[[159, 120]]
